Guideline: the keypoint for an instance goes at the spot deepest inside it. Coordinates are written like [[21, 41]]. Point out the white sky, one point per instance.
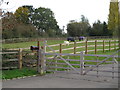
[[66, 10]]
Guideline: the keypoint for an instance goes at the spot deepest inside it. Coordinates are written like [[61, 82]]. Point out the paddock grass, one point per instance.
[[49, 42], [28, 44]]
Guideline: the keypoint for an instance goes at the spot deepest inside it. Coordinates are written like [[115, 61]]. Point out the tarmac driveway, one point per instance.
[[61, 80]]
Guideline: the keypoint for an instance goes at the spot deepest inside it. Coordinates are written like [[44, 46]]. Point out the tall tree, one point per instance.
[[75, 28], [113, 16], [105, 31], [44, 20], [12, 28], [97, 29], [9, 22], [22, 14]]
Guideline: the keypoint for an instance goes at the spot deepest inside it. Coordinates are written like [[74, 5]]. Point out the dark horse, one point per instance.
[[81, 38], [71, 39]]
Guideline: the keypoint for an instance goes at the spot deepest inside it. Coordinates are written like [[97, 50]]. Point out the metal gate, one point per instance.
[[58, 62]]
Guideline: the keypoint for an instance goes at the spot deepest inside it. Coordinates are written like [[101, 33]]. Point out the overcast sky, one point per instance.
[[66, 10]]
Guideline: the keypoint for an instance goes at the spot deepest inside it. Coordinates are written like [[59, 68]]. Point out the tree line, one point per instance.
[[83, 28], [110, 28], [30, 22]]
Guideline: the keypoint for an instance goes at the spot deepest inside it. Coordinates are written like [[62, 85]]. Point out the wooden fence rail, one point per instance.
[[18, 59], [104, 44], [96, 44]]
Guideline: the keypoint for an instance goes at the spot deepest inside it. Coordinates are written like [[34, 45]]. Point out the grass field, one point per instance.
[[28, 44], [34, 43]]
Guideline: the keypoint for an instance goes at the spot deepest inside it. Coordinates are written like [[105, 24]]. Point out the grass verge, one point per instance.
[[15, 73]]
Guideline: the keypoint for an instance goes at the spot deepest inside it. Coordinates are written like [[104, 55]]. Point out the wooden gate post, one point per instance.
[[82, 62], [44, 51], [38, 56], [20, 59], [42, 62]]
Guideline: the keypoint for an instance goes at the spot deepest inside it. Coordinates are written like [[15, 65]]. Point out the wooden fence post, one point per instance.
[[115, 44], [60, 50], [95, 46], [74, 47], [38, 60], [81, 62], [109, 45], [20, 59], [103, 46], [86, 47]]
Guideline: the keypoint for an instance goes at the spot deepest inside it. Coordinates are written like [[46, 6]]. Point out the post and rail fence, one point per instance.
[[88, 46], [42, 64], [13, 58]]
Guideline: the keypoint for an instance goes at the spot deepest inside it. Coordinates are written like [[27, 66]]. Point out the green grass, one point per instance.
[[19, 45], [9, 74], [28, 44], [49, 42]]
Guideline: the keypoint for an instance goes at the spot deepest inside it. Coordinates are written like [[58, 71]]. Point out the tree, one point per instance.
[[12, 28], [44, 20], [30, 12], [24, 31], [99, 29], [106, 32], [8, 24], [96, 29], [75, 28], [22, 14], [30, 22], [113, 17]]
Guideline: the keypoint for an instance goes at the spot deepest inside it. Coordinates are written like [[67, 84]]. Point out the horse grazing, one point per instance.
[[81, 38], [71, 39], [66, 43]]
